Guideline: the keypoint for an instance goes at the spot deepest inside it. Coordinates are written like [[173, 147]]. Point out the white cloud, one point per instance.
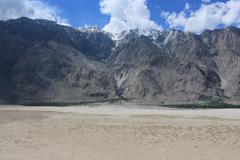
[[206, 1], [35, 9], [208, 16], [126, 15], [187, 6]]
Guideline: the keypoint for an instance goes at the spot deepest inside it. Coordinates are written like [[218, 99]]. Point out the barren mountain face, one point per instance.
[[42, 62]]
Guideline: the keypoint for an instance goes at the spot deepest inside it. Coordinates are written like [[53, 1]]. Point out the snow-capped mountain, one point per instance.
[[43, 62]]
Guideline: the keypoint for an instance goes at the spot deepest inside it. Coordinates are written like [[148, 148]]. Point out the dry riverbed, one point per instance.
[[118, 133]]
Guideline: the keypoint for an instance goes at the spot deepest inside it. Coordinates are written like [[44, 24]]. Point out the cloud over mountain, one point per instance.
[[208, 16], [35, 9], [127, 14]]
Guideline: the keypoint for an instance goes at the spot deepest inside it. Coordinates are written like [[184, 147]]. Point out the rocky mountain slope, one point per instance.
[[43, 62]]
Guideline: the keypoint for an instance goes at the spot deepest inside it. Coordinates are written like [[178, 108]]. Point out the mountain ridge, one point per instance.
[[42, 62]]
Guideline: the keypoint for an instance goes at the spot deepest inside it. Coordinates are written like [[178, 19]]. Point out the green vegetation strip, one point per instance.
[[204, 106], [63, 104]]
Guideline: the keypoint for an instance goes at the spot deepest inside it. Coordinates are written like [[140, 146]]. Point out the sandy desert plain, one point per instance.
[[114, 132]]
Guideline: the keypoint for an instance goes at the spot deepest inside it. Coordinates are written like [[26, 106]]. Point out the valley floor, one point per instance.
[[118, 133]]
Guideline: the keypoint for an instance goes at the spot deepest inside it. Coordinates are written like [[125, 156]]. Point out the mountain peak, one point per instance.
[[41, 58], [91, 29]]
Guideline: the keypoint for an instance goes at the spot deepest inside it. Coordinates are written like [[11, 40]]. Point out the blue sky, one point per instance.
[[116, 16], [81, 12]]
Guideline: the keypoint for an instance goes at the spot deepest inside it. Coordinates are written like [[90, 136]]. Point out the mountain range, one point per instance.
[[43, 62]]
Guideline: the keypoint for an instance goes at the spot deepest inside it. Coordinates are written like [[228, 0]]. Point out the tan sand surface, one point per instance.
[[118, 133]]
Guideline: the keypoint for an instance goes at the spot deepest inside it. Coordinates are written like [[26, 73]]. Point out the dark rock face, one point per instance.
[[96, 45], [42, 62]]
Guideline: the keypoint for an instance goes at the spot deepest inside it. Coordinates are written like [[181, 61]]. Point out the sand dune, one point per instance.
[[118, 133]]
